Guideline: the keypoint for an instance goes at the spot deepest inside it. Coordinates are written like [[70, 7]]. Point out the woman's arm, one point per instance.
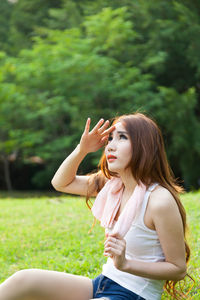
[[168, 224], [66, 179]]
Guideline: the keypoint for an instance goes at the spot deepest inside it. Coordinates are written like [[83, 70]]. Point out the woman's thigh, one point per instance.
[[42, 285]]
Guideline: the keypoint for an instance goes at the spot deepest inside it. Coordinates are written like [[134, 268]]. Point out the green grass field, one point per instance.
[[51, 232]]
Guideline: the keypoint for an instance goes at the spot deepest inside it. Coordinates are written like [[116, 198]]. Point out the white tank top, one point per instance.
[[143, 244]]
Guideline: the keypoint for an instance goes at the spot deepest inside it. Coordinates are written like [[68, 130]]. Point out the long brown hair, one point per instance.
[[149, 164]]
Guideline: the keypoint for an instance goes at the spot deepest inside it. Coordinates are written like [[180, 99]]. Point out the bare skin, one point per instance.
[[34, 284]]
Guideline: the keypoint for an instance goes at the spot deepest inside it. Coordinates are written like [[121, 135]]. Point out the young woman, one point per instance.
[[138, 204]]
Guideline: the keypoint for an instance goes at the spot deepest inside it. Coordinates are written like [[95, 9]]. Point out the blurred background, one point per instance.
[[62, 61]]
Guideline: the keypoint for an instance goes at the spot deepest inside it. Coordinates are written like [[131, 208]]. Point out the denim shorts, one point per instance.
[[106, 288]]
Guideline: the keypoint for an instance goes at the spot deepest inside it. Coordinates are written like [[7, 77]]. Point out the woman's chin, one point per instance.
[[113, 169]]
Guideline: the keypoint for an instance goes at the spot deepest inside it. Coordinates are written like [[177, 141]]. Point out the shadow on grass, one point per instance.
[[29, 194]]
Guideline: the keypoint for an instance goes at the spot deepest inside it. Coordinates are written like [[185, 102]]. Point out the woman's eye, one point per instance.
[[110, 138], [122, 136]]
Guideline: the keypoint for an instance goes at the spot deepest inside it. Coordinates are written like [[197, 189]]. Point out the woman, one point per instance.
[[138, 204]]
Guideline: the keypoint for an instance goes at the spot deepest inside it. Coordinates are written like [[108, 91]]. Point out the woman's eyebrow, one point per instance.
[[122, 132]]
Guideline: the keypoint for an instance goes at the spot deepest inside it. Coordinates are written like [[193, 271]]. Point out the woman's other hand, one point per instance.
[[115, 248], [93, 140]]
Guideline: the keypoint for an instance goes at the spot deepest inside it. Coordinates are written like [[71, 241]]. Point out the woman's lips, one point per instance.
[[111, 158]]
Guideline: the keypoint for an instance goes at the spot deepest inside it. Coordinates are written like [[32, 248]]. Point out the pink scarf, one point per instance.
[[108, 202]]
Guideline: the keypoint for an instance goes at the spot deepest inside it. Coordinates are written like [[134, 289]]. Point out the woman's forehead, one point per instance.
[[120, 127]]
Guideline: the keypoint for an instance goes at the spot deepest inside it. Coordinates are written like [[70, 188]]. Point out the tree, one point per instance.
[[116, 61], [6, 11]]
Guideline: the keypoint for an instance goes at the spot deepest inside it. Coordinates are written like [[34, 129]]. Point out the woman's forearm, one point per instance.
[[154, 270], [68, 169]]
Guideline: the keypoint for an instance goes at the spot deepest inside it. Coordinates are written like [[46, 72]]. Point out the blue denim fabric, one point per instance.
[[103, 287]]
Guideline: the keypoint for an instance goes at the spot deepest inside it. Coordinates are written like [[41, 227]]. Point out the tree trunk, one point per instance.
[[7, 172]]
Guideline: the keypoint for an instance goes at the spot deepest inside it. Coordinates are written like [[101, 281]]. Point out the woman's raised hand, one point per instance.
[[93, 140]]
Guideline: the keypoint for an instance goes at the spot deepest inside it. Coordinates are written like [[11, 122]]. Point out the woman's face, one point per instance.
[[118, 151]]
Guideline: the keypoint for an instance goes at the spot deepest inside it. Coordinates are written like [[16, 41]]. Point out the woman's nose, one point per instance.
[[111, 146]]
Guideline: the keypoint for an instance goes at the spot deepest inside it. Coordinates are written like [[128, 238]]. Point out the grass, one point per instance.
[[52, 233]]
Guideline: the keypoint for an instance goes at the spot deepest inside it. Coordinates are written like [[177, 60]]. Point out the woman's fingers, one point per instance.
[[105, 125], [98, 136], [112, 251], [114, 243], [100, 127], [87, 126], [110, 239], [104, 140], [108, 131], [97, 126]]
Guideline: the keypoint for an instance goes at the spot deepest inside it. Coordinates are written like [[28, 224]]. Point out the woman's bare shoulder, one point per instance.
[[161, 198], [163, 208]]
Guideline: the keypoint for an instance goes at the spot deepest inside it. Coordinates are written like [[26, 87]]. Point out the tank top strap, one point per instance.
[[145, 201], [152, 187]]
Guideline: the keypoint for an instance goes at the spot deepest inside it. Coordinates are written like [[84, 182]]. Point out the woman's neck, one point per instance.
[[128, 181]]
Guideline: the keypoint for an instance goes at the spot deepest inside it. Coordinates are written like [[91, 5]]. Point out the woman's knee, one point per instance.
[[18, 286], [21, 276], [23, 281]]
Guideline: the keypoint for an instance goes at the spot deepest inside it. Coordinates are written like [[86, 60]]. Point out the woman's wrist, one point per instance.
[[125, 266], [81, 150]]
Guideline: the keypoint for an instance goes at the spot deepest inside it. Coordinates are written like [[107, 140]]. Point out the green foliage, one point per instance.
[[6, 10], [52, 233], [181, 129], [25, 17], [100, 59]]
